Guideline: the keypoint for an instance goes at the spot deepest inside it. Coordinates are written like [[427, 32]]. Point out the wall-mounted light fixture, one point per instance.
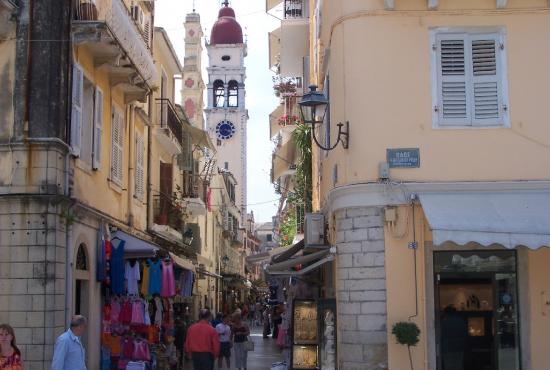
[[225, 260], [314, 104], [188, 237]]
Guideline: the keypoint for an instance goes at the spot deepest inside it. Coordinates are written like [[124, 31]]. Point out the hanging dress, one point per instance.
[[145, 280], [132, 276], [154, 277], [168, 281], [117, 268]]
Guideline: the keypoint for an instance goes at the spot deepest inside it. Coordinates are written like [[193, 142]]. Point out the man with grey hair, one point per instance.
[[69, 353]]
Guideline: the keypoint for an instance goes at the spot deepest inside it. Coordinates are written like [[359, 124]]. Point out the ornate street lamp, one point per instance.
[[225, 261], [314, 104]]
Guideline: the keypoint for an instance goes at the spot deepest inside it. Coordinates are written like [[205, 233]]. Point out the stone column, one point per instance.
[[361, 289]]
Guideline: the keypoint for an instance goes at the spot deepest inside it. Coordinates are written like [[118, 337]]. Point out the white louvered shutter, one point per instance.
[[185, 159], [76, 111], [117, 140], [453, 60], [98, 128], [486, 84], [140, 168]]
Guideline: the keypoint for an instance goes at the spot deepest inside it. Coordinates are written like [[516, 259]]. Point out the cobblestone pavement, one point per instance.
[[265, 353]]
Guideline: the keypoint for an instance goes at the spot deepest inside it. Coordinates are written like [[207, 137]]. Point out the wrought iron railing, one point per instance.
[[168, 118], [294, 9]]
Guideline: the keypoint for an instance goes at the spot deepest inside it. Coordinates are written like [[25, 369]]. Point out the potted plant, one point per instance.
[[406, 333]]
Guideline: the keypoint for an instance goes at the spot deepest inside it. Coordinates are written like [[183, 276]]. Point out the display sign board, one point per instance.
[[403, 157]]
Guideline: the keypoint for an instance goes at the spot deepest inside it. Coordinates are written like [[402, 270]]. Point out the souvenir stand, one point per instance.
[[139, 283]]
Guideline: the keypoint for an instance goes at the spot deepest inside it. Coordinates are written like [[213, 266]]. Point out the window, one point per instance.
[[76, 109], [233, 89], [140, 168], [117, 145], [219, 94], [470, 88], [98, 128], [269, 237], [81, 258]]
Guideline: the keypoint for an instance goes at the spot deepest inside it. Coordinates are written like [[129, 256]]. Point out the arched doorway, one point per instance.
[[81, 286]]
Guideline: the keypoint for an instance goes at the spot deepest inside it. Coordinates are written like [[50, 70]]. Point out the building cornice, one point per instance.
[[396, 193]]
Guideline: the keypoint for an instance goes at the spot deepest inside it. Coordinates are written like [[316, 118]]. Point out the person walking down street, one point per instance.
[[241, 331], [69, 353], [224, 331], [202, 342], [10, 356], [218, 320]]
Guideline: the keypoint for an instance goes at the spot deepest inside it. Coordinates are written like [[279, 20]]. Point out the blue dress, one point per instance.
[[155, 277], [117, 268]]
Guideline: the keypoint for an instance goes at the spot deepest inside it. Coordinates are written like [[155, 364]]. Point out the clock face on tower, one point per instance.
[[225, 130]]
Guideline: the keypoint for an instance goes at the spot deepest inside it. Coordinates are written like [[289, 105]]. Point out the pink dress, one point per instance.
[[115, 311], [138, 312], [168, 288], [141, 350]]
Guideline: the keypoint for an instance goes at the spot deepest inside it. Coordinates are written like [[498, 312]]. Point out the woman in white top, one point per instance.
[[224, 331]]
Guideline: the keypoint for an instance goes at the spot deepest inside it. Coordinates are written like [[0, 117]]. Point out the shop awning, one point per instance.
[[510, 219], [318, 262], [266, 256], [291, 262], [208, 273], [135, 247], [200, 137], [182, 262]]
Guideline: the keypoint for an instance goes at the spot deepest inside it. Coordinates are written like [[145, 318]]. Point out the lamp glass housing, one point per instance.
[[312, 105]]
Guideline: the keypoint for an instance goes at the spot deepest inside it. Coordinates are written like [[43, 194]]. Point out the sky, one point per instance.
[[260, 100]]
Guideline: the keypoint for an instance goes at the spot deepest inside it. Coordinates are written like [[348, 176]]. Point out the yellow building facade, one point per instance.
[[437, 206]]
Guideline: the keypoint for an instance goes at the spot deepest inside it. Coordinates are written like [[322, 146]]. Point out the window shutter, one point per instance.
[[486, 97], [98, 128], [453, 82], [117, 140], [140, 172], [76, 111], [185, 159]]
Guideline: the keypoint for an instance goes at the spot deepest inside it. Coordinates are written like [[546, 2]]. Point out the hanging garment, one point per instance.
[[154, 277], [141, 350], [135, 365], [126, 312], [145, 280], [147, 317], [115, 311], [188, 284], [132, 277], [105, 358], [168, 281], [138, 312], [117, 268], [128, 347], [158, 311]]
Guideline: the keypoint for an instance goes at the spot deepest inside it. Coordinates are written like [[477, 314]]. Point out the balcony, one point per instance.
[[106, 28], [169, 128], [234, 263], [167, 217], [291, 9], [195, 192]]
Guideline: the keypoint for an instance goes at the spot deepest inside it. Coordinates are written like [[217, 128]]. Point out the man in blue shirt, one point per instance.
[[69, 352]]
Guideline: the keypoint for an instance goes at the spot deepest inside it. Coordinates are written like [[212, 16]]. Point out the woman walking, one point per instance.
[[241, 331], [10, 356]]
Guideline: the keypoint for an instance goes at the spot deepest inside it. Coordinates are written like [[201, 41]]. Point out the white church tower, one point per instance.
[[193, 86], [226, 114]]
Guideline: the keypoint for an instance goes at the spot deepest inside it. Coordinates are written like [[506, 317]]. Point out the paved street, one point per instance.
[[265, 353]]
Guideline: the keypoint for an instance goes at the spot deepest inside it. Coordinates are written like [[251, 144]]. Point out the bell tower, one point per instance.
[[226, 113], [193, 85]]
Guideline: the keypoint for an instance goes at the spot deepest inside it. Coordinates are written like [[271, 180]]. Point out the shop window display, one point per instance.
[[143, 308]]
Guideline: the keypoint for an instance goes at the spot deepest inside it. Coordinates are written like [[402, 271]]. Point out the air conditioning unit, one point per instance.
[[314, 233]]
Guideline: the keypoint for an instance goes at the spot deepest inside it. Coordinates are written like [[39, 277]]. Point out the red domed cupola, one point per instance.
[[226, 30]]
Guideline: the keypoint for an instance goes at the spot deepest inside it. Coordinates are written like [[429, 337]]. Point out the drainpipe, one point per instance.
[[131, 112], [149, 164]]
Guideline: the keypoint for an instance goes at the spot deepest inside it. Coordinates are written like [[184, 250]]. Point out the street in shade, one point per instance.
[[264, 355]]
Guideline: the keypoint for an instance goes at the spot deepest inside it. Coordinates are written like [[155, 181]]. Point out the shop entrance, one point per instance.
[[476, 310]]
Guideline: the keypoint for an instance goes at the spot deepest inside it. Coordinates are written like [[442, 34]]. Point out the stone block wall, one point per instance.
[[361, 289], [32, 275]]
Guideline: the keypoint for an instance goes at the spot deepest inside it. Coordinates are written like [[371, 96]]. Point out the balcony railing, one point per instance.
[[169, 118], [133, 39], [166, 212], [234, 264], [294, 9], [194, 187]]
